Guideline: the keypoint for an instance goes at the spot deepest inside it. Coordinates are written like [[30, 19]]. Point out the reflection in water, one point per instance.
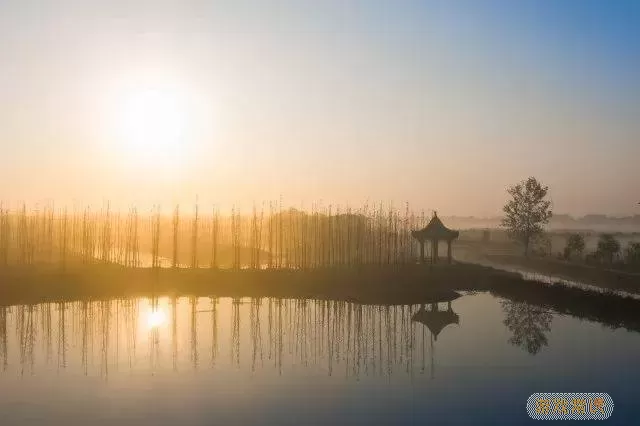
[[435, 319], [26, 336], [528, 323], [62, 341], [156, 318], [3, 337], [259, 333], [193, 303], [338, 360], [174, 333], [105, 337]]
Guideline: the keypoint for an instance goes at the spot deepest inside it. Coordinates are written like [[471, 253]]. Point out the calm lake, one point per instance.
[[203, 361]]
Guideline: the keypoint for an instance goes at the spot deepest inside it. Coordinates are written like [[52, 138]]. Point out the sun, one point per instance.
[[153, 127]]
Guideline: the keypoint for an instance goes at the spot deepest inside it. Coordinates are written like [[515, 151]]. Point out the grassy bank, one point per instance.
[[596, 276], [372, 284]]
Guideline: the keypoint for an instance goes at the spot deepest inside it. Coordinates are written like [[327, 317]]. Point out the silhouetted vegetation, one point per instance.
[[609, 254], [632, 253], [607, 308], [575, 246], [608, 248], [276, 238], [527, 211]]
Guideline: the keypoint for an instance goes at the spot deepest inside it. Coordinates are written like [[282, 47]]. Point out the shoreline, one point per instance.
[[610, 279], [371, 285], [384, 285]]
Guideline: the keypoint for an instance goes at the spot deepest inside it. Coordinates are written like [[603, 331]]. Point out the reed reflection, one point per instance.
[[104, 337], [3, 337]]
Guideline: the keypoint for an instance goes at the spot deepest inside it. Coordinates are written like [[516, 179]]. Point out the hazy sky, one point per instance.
[[438, 103]]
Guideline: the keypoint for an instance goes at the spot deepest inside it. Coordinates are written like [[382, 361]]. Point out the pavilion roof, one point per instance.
[[435, 230]]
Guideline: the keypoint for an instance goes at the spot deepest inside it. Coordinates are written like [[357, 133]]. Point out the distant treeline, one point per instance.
[[558, 222], [265, 237]]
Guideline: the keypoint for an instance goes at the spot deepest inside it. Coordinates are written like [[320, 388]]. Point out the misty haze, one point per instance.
[[319, 212]]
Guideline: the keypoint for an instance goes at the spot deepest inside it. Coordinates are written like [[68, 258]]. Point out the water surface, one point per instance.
[[201, 361]]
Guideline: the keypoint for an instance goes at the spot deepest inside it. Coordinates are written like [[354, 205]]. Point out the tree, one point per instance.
[[608, 247], [527, 211], [633, 253], [575, 246], [541, 245]]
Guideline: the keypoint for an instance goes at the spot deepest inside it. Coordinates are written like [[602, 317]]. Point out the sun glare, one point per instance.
[[155, 319], [153, 126]]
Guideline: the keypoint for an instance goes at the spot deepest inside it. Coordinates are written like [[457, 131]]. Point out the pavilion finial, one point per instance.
[[435, 213]]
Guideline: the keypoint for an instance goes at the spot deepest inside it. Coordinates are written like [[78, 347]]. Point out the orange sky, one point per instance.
[[443, 107]]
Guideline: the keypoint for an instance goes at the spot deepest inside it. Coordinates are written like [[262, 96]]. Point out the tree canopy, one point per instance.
[[575, 245], [527, 211], [633, 253], [608, 247]]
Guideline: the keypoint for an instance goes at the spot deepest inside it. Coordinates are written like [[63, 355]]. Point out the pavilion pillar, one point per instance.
[[422, 251], [434, 243], [449, 251]]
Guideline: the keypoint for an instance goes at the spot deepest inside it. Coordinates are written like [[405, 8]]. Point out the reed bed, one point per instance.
[[266, 237]]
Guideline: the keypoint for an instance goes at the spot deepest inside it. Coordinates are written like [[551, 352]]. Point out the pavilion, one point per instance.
[[434, 232]]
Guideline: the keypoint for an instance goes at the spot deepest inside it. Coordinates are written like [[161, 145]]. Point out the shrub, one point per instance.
[[608, 247], [632, 253], [575, 246]]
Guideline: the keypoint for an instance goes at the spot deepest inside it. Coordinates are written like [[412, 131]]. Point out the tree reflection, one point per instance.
[[528, 323]]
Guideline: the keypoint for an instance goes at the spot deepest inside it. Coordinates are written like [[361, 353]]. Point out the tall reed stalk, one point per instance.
[[323, 237]]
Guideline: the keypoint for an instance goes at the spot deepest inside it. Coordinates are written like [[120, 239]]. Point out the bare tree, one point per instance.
[[527, 211]]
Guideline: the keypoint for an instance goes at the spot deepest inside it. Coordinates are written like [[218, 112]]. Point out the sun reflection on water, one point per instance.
[[156, 318]]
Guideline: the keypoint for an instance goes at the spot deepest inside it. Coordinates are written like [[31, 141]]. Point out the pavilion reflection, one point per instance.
[[436, 315]]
